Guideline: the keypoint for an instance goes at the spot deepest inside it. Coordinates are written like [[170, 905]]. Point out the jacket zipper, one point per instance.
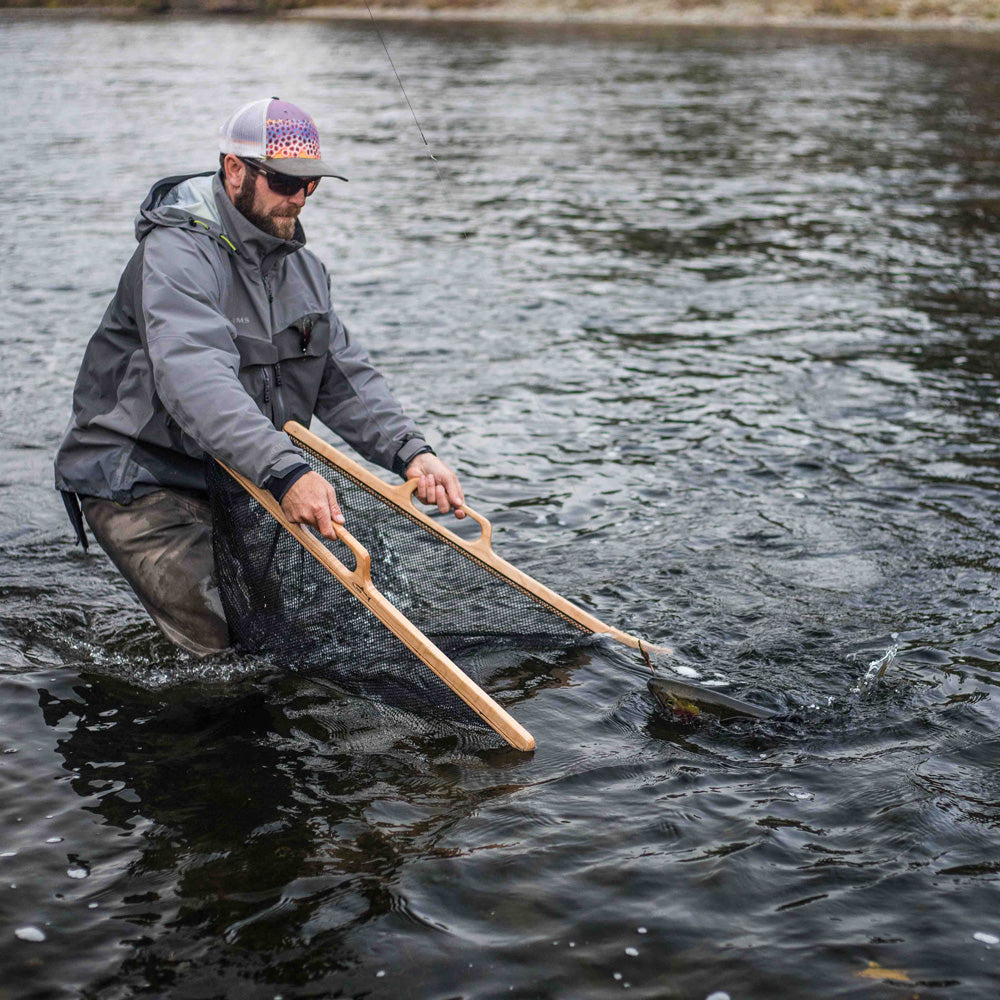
[[279, 405], [276, 367]]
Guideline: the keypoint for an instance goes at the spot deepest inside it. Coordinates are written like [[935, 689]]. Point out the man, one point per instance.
[[220, 331]]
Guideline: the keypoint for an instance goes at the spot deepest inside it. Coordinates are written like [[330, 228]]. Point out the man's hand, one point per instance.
[[437, 484], [311, 500]]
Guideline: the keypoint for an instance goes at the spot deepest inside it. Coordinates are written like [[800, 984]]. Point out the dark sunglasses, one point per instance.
[[284, 184]]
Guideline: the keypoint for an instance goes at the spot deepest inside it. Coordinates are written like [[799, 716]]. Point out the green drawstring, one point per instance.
[[222, 236]]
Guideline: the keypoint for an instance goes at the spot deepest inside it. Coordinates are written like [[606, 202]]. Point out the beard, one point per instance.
[[279, 223]]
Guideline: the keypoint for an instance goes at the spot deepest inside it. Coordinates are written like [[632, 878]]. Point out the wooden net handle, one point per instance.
[[362, 559], [359, 579], [403, 495]]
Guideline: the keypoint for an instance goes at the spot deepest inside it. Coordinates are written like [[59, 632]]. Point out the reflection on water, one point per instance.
[[719, 358]]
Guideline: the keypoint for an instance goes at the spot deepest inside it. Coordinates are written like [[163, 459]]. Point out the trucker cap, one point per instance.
[[279, 134]]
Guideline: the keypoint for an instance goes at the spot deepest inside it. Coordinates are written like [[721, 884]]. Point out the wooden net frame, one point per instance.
[[358, 581]]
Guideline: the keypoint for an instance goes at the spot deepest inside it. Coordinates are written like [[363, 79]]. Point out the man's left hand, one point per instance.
[[436, 484]]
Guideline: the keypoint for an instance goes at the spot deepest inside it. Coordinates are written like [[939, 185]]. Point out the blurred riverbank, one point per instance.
[[894, 14]]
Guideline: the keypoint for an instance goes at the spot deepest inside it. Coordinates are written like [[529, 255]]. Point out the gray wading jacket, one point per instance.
[[218, 334]]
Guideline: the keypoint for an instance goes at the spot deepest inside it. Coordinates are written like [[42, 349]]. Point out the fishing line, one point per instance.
[[406, 97], [690, 691]]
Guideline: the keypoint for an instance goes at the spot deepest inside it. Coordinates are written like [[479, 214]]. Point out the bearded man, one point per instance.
[[222, 330]]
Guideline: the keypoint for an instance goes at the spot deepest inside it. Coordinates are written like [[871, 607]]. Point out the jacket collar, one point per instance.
[[252, 243], [199, 202]]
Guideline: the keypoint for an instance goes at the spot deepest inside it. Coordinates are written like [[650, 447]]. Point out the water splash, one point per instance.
[[180, 670], [877, 667]]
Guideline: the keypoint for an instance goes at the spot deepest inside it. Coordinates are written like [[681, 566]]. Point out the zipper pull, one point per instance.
[[277, 374]]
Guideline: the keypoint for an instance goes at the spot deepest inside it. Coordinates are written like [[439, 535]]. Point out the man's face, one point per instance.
[[273, 213]]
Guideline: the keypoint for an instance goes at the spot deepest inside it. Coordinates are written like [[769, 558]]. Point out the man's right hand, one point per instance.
[[311, 500]]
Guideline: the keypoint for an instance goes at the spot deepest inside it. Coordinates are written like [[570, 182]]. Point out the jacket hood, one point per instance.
[[199, 203]]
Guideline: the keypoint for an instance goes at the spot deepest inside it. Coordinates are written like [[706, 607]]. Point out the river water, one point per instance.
[[708, 321]]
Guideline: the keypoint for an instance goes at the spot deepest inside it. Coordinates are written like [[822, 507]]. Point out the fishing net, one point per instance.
[[282, 601]]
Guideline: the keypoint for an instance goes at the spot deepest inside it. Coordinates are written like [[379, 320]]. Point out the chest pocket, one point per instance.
[[283, 375]]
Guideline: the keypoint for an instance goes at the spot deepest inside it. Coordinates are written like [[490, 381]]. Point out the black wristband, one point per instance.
[[278, 486], [399, 467]]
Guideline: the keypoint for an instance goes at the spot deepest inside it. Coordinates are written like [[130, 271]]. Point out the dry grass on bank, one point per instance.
[[718, 10], [967, 13]]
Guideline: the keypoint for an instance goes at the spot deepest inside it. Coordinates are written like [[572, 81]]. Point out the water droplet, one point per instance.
[[8, 854], [77, 872], [617, 975], [632, 952], [986, 938], [717, 996], [30, 934], [380, 974], [640, 930], [572, 944], [92, 906], [54, 840]]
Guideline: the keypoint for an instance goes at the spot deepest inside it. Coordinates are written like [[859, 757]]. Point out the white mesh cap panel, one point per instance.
[[245, 131]]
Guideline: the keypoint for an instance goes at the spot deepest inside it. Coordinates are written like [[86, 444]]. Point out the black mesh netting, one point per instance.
[[281, 602]]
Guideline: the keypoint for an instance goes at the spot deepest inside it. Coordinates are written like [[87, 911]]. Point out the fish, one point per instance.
[[687, 702]]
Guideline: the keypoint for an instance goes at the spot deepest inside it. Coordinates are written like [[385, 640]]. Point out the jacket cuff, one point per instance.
[[278, 486], [408, 452]]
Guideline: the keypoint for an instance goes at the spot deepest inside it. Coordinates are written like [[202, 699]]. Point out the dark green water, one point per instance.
[[718, 354]]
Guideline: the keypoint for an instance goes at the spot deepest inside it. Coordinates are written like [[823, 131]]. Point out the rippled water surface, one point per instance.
[[709, 324]]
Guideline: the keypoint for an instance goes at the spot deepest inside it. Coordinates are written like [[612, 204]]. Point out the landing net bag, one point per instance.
[[394, 609]]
